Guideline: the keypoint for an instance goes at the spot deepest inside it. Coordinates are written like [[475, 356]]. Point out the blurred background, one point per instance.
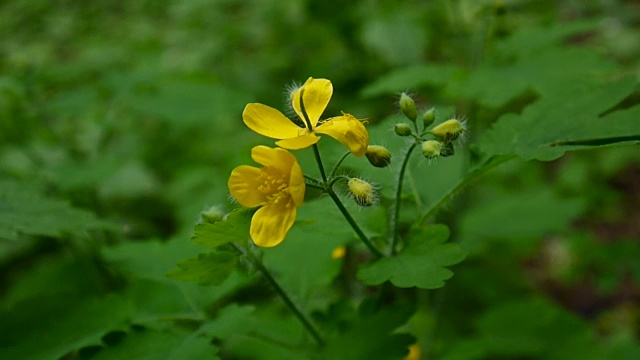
[[120, 122]]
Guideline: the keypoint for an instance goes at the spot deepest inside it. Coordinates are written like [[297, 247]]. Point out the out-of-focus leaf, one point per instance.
[[24, 210], [51, 327], [532, 215], [422, 263], [535, 328], [371, 335], [160, 345], [410, 78], [211, 268]]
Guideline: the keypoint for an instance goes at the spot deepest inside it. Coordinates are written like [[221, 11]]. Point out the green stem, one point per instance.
[[395, 210], [267, 275], [353, 223], [335, 167], [316, 152]]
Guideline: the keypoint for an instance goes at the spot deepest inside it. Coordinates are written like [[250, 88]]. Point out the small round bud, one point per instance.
[[431, 149], [448, 130], [408, 107], [402, 129], [378, 156], [212, 215], [362, 192], [429, 117]]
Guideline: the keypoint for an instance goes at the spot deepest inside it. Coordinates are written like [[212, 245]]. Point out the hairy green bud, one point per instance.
[[429, 117], [448, 130], [402, 129], [378, 156], [431, 149], [408, 107]]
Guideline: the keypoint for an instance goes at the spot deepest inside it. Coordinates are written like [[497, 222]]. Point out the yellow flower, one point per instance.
[[277, 188], [314, 97]]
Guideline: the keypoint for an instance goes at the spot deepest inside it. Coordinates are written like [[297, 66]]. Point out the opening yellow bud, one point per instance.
[[408, 107], [431, 149], [402, 129], [378, 156], [448, 130], [362, 192]]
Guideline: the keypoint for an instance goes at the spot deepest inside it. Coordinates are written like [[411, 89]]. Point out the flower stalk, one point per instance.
[[283, 295]]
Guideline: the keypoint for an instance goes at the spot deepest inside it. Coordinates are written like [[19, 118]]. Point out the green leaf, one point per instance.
[[422, 263], [543, 331], [159, 345], [51, 327], [234, 228], [25, 210], [211, 268], [532, 215], [410, 78], [569, 120], [370, 334]]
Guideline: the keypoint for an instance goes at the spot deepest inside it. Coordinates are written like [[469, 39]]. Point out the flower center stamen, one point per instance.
[[274, 187]]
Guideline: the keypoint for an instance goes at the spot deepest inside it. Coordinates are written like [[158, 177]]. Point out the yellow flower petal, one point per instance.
[[349, 131], [270, 224], [269, 122], [299, 142], [279, 159], [316, 94], [243, 186], [297, 186]]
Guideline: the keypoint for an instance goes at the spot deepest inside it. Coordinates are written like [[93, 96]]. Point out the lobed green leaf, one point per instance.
[[421, 264]]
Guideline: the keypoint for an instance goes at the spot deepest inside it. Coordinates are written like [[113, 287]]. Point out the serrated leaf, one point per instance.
[[24, 210], [567, 121], [421, 264], [234, 228], [211, 268]]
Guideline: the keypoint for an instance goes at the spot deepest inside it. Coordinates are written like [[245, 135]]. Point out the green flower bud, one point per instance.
[[429, 117], [362, 192], [448, 130], [402, 129], [408, 107], [431, 149], [378, 156], [212, 214]]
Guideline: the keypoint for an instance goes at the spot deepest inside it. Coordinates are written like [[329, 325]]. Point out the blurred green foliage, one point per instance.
[[120, 122]]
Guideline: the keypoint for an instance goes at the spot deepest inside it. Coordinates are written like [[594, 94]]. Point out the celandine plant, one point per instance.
[[271, 195]]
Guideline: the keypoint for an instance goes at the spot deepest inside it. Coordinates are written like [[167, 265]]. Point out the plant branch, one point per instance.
[[395, 210], [353, 223]]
